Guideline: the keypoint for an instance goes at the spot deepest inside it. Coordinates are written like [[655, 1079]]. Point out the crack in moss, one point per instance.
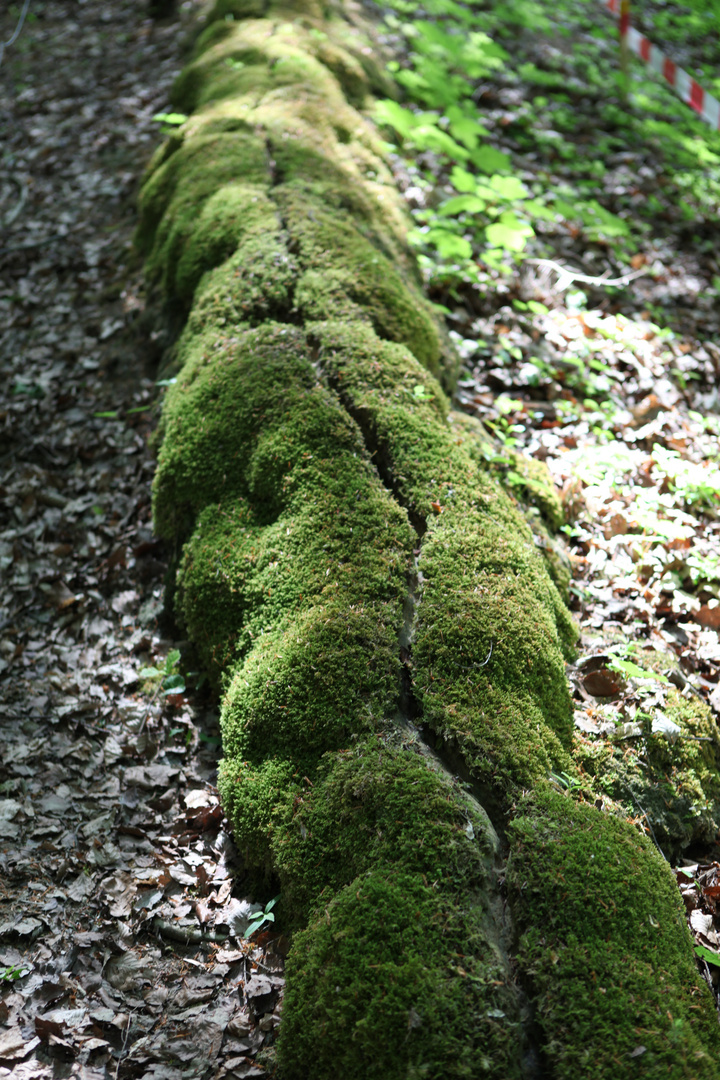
[[443, 754]]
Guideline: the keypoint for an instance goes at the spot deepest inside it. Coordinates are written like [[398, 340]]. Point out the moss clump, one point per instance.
[[236, 9], [236, 212], [490, 629], [331, 675], [671, 782], [172, 199], [376, 804], [397, 864], [255, 285], [259, 56], [246, 417], [328, 242], [394, 979], [240, 574], [605, 947]]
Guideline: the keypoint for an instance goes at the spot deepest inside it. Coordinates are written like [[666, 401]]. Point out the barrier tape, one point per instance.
[[690, 91]]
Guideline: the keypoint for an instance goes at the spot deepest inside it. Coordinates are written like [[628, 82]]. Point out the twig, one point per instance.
[[652, 833], [16, 210], [124, 1045], [187, 935], [567, 276], [680, 680], [11, 40], [149, 709]]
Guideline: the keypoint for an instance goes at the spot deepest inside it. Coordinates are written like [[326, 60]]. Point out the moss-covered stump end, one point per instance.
[[605, 947]]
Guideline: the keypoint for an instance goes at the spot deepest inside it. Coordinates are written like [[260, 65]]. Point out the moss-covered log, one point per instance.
[[388, 640]]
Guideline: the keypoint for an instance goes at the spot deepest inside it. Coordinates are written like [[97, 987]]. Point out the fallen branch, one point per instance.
[[566, 276]]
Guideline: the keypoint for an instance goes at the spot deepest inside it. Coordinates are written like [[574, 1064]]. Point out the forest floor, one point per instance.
[[121, 924], [121, 909]]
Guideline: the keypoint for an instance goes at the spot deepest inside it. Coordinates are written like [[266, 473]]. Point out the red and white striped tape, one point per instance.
[[690, 91]]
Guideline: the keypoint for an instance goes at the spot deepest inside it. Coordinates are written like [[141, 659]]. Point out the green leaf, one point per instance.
[[449, 245], [534, 208], [430, 137], [149, 673], [707, 954], [467, 131], [395, 116], [508, 187], [105, 415], [172, 658], [173, 684], [489, 160], [174, 118], [462, 204], [420, 393], [509, 233], [462, 180], [31, 389], [634, 671], [255, 925], [211, 740], [165, 382], [271, 903], [13, 972]]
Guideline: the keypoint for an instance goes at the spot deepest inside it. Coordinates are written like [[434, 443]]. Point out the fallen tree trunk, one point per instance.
[[388, 639]]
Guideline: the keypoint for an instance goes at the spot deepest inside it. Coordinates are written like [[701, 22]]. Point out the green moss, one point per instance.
[[250, 795], [391, 954], [346, 68], [327, 241], [339, 538], [255, 285], [165, 150], [323, 294], [335, 185], [172, 199], [376, 804], [489, 665], [605, 947], [671, 784], [372, 60], [491, 628], [299, 9], [214, 32], [332, 674], [233, 213], [554, 554], [225, 431], [257, 56], [533, 483], [528, 481]]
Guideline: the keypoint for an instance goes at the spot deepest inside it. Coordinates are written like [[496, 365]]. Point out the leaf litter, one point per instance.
[[122, 916]]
